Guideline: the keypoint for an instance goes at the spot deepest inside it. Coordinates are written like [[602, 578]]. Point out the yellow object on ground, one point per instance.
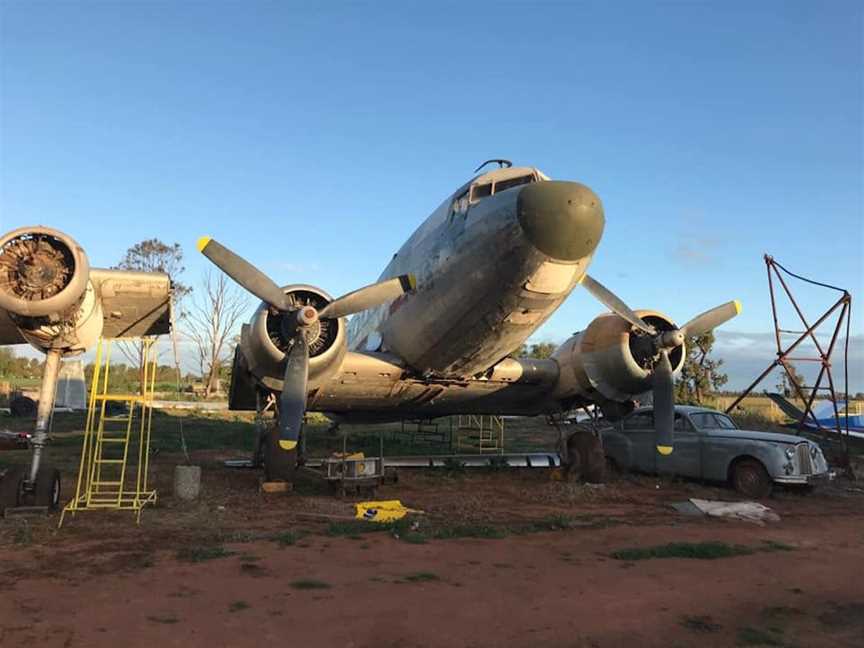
[[382, 511]]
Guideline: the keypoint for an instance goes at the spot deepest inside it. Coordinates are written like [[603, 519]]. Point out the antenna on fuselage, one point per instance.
[[502, 164]]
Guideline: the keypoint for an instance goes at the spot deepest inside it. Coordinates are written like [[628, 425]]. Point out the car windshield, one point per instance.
[[712, 421]]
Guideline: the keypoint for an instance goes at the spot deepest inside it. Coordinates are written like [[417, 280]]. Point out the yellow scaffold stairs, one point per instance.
[[115, 453]]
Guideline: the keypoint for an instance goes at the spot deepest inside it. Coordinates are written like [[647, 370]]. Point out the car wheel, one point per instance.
[[750, 478]]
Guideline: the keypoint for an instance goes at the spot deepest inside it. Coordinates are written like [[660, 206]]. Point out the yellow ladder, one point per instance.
[[480, 432], [108, 477]]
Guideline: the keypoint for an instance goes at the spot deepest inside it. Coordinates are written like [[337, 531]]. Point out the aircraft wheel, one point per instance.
[[47, 490], [10, 488], [586, 460], [750, 478], [279, 464]]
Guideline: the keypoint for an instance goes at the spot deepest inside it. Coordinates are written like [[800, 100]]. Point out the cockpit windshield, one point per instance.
[[480, 191]]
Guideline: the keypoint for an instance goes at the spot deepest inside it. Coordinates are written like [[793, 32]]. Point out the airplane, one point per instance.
[[52, 299], [436, 334]]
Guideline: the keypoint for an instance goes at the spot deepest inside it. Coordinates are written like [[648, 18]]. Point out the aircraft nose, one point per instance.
[[564, 220]]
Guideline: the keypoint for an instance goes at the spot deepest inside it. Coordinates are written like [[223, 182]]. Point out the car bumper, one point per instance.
[[810, 480]]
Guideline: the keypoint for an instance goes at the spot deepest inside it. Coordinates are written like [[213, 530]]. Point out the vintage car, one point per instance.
[[709, 446]]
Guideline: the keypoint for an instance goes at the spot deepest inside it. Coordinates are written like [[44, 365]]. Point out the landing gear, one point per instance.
[[44, 492], [278, 464], [38, 484]]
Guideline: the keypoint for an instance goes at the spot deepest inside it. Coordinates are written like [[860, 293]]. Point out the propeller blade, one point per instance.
[[664, 403], [611, 301], [243, 272], [292, 401], [711, 319], [368, 297]]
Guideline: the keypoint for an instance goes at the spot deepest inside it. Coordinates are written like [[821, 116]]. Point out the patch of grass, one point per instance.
[[471, 531], [550, 523], [702, 624], [168, 620], [309, 584], [774, 545], [238, 606], [203, 553], [755, 637], [288, 538], [694, 550], [421, 577], [23, 535]]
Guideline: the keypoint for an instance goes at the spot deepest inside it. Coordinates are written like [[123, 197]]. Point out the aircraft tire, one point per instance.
[[47, 490], [279, 464], [10, 488], [586, 460]]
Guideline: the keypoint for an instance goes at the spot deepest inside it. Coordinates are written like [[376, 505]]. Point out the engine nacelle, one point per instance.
[[45, 287], [610, 359], [263, 345]]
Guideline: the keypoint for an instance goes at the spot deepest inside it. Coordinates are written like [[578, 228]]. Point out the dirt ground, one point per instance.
[[239, 568]]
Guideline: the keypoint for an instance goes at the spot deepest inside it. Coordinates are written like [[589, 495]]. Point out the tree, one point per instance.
[[700, 373], [785, 385], [212, 318], [152, 255], [540, 351]]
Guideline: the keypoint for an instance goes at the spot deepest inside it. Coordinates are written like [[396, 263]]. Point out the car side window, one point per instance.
[[682, 424]]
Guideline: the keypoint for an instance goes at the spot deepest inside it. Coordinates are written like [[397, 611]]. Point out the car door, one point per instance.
[[639, 430], [686, 457]]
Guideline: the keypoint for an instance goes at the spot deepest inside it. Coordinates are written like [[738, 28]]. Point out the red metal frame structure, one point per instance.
[[844, 304]]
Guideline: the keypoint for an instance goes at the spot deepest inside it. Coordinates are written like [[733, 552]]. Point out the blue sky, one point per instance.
[[314, 139]]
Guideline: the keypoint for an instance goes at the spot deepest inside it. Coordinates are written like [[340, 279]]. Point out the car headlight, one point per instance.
[[790, 453]]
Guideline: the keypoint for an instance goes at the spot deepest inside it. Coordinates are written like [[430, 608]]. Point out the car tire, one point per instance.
[[750, 478]]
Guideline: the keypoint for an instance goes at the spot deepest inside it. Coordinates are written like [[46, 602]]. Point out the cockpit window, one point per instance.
[[481, 191], [513, 182]]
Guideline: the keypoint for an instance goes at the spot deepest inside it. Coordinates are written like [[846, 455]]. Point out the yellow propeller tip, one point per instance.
[[737, 307], [664, 450], [287, 445], [202, 243], [412, 281]]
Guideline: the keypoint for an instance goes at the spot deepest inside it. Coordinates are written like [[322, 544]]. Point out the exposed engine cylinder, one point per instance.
[[264, 345], [45, 287], [43, 272], [611, 359]]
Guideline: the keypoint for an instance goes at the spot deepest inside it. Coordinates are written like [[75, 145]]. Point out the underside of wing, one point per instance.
[[133, 303]]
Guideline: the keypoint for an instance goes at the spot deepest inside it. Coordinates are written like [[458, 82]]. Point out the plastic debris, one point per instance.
[[382, 511]]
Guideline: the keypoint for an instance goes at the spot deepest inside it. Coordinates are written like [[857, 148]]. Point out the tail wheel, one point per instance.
[[750, 478], [11, 488], [47, 488]]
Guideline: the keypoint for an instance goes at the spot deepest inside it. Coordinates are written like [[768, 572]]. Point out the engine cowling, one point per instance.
[[45, 287], [610, 359], [263, 344]]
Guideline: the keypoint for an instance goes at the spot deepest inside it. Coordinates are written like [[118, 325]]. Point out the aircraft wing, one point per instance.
[[133, 303]]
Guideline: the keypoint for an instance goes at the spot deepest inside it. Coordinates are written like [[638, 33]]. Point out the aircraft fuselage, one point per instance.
[[490, 269]]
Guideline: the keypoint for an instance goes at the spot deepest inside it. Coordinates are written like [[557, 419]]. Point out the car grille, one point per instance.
[[805, 465]]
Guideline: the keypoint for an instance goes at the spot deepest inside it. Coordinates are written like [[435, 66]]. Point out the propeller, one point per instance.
[[659, 345], [298, 324]]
